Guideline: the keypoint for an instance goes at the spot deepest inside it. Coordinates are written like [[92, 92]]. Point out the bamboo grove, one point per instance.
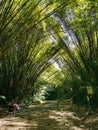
[[36, 33]]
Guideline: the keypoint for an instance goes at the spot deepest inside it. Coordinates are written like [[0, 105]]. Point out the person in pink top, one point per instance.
[[16, 107]]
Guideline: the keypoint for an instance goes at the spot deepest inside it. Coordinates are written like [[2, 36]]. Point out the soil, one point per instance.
[[47, 117]]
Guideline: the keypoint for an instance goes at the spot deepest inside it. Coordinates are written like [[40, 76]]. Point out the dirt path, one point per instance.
[[44, 117]]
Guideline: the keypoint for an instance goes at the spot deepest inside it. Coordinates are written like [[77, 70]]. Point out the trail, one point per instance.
[[45, 117]]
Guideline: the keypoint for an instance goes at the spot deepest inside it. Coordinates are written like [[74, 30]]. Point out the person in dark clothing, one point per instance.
[[10, 108]]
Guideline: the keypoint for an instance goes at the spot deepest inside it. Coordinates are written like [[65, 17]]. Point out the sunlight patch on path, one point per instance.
[[67, 120], [15, 123]]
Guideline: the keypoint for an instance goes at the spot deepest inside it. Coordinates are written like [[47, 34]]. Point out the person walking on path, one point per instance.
[[16, 107]]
